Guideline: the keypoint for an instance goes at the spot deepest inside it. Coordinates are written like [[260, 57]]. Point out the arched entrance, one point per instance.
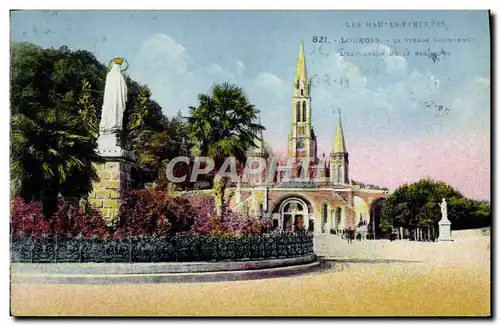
[[294, 215], [374, 231], [361, 210]]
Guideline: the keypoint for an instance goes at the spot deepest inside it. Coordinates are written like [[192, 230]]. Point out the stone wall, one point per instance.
[[114, 179]]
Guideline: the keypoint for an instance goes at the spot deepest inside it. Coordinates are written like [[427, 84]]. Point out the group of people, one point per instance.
[[352, 233]]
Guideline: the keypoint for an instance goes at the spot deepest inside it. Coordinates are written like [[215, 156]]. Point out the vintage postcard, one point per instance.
[[250, 163]]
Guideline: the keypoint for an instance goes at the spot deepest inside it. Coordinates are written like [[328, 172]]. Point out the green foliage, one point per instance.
[[141, 110], [52, 93], [50, 78], [222, 126], [51, 155], [88, 111], [68, 87], [417, 205]]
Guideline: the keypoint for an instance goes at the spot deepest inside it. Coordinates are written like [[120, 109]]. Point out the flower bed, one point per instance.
[[178, 248]]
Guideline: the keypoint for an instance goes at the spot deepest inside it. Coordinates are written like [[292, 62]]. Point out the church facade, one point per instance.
[[304, 191]]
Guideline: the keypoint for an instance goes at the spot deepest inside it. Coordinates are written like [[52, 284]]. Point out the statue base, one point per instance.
[[445, 231], [114, 178], [108, 146]]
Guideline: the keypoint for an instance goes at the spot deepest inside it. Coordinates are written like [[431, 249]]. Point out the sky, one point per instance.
[[405, 117]]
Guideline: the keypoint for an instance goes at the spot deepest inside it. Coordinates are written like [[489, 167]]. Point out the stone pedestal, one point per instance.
[[445, 231], [114, 178]]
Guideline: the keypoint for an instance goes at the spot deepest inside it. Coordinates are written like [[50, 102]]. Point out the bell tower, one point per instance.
[[301, 139]]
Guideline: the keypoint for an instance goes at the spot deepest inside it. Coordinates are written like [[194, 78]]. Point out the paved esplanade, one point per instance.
[[443, 282]]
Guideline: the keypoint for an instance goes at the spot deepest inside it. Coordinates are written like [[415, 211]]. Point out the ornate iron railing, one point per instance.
[[159, 249]]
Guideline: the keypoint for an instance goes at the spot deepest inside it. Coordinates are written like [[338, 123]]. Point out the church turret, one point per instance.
[[339, 158], [260, 149], [263, 151]]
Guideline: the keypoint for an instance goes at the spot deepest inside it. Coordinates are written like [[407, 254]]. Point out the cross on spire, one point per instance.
[[338, 110]]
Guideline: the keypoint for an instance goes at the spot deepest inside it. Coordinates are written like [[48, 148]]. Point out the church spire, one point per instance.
[[339, 158], [301, 139], [301, 73], [339, 142]]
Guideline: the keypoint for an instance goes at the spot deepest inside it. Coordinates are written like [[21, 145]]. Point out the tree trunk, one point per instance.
[[219, 189]]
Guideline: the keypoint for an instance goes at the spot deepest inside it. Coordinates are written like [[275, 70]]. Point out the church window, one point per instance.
[[339, 175], [304, 111], [302, 92], [298, 111], [261, 210]]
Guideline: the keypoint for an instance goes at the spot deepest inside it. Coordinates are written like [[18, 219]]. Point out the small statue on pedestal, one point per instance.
[[444, 223]]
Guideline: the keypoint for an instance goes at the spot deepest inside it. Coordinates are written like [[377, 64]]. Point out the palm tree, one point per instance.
[[52, 155], [222, 126]]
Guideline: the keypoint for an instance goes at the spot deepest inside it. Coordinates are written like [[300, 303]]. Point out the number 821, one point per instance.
[[319, 39]]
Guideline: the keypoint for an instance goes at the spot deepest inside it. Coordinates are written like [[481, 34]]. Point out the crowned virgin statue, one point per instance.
[[115, 98]]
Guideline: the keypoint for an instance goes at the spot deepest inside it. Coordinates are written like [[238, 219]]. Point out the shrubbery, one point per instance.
[[148, 212], [27, 218], [69, 219], [232, 224], [155, 211]]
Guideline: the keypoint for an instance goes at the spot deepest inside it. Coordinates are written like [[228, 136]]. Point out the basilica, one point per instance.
[[307, 191]]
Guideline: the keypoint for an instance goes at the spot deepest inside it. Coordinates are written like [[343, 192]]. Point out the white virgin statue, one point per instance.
[[115, 98], [444, 210]]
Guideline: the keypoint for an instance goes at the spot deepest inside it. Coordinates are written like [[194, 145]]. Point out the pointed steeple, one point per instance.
[[339, 143], [301, 73]]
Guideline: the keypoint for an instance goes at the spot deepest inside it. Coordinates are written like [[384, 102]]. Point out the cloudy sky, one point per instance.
[[405, 116]]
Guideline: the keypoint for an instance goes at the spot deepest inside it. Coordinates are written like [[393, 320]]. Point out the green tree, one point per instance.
[[222, 126], [140, 111], [49, 78], [417, 205], [150, 136], [88, 111], [72, 82], [51, 156]]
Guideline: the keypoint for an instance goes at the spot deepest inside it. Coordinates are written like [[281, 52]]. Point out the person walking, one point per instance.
[[349, 234]]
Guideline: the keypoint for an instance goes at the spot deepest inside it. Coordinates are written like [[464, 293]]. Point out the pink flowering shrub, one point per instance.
[[203, 209], [232, 224], [147, 212], [69, 219], [28, 219], [155, 212], [73, 220]]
